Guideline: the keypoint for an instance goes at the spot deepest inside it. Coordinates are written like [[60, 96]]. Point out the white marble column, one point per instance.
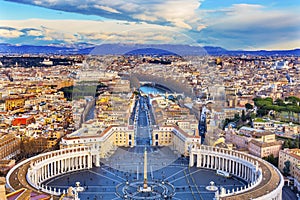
[[62, 165], [50, 165], [42, 173], [191, 160], [75, 163], [69, 164], [223, 164], [46, 171], [59, 166], [84, 161], [98, 160], [208, 161], [54, 168], [72, 163], [80, 162], [198, 160], [51, 169], [90, 161], [249, 175]]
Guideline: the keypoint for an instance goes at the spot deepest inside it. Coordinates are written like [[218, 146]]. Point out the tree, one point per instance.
[[296, 143], [252, 116], [236, 117], [248, 106], [279, 102], [286, 169], [289, 142], [243, 116], [294, 100], [272, 160], [285, 144]]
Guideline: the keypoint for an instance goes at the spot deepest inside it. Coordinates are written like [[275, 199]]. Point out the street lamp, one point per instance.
[[75, 190]]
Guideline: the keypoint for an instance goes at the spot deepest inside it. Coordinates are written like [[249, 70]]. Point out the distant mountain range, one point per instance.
[[137, 49]]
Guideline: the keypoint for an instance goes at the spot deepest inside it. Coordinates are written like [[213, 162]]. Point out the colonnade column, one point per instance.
[[89, 161], [47, 171], [62, 165], [69, 164], [97, 164], [208, 161], [84, 161], [223, 164], [249, 175], [192, 160], [199, 160], [239, 172], [42, 173]]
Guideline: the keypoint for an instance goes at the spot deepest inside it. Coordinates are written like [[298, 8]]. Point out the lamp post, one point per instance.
[[76, 190]]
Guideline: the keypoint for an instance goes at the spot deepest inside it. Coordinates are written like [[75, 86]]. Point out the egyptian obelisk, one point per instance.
[[145, 169]]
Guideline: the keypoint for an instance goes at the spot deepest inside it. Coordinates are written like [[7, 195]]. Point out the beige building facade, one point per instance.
[[174, 137], [9, 146], [293, 155], [107, 140]]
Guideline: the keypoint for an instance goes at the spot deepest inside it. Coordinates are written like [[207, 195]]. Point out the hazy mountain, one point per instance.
[[136, 49]]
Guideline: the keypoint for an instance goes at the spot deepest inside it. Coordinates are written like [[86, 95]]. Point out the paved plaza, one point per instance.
[[102, 182]]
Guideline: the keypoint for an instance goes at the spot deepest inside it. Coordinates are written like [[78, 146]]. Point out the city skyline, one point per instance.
[[232, 24]]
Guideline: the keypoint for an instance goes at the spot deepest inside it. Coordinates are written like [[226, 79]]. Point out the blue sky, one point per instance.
[[232, 24]]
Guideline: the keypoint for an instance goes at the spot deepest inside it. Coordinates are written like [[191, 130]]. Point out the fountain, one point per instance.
[[211, 186]]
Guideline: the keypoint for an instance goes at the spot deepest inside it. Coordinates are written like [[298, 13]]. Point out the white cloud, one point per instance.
[[247, 16], [96, 32], [165, 21], [245, 25], [34, 33], [145, 17], [200, 27], [173, 12], [106, 8], [10, 33]]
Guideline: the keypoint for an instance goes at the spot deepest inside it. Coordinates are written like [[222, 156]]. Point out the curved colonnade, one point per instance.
[[49, 165], [264, 180]]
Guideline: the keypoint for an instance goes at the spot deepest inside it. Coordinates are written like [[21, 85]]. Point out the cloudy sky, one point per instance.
[[232, 24]]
